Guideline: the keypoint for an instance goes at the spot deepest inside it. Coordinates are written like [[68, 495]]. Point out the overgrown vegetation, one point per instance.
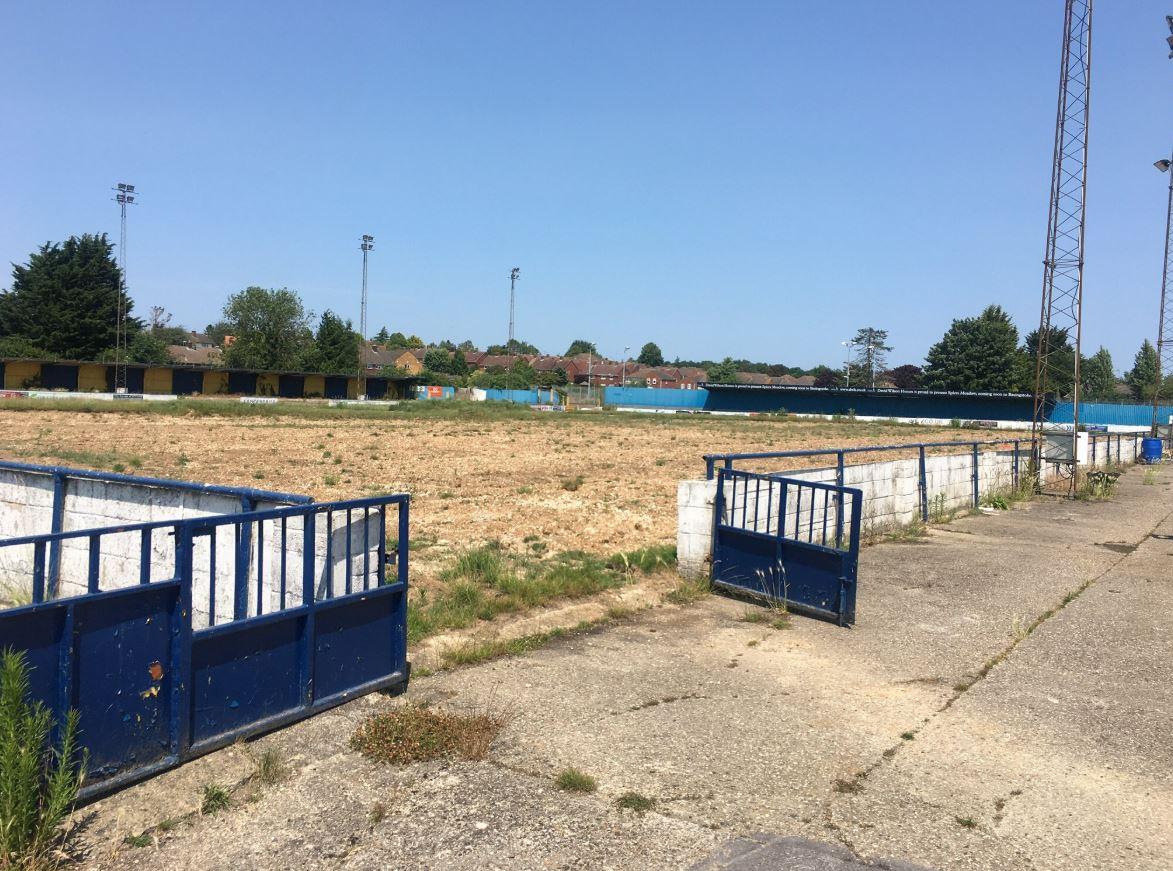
[[213, 799], [39, 782], [487, 581], [635, 801], [417, 733], [573, 780]]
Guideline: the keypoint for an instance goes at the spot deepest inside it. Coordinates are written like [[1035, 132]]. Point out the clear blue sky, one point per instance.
[[747, 179]]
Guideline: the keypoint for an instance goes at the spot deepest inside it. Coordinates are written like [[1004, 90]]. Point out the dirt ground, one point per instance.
[[601, 482], [1001, 705]]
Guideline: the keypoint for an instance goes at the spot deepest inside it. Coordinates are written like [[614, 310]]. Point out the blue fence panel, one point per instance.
[[1110, 414], [152, 691], [539, 396], [789, 541], [652, 397]]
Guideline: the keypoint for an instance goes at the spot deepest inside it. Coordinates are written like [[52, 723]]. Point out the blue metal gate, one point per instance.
[[160, 674], [789, 541]]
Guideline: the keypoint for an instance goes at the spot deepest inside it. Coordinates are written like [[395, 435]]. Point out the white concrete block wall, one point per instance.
[[26, 508], [26, 503], [891, 496]]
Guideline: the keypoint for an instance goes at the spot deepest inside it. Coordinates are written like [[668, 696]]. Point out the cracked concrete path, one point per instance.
[[1003, 703]]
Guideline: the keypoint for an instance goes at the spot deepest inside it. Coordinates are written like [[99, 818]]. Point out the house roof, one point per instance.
[[195, 356]]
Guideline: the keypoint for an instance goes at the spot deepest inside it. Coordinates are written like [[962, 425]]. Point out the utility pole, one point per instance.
[[847, 363], [1062, 299], [514, 274], [124, 195], [366, 245], [623, 377], [1165, 321]]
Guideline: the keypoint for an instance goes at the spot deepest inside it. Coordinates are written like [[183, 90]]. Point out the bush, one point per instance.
[[38, 783]]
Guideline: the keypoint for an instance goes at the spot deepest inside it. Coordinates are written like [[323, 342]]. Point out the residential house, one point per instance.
[[208, 356]]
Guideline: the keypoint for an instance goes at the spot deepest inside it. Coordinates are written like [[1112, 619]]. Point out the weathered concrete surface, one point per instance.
[[897, 739]]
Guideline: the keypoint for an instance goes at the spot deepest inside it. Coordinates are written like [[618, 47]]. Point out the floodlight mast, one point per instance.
[[1062, 298], [514, 274], [366, 245], [1165, 322], [124, 195]]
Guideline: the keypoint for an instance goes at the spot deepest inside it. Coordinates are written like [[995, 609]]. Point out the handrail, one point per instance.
[[117, 477], [728, 459], [212, 520]]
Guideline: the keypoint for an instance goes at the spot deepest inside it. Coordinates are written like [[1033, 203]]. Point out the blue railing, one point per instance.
[[727, 460], [134, 639]]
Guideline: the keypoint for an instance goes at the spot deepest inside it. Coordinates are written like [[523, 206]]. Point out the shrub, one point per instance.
[[573, 780], [38, 783]]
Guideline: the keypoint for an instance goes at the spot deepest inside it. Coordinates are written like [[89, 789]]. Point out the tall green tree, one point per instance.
[[514, 346], [906, 377], [521, 375], [724, 372], [1060, 361], [381, 337], [978, 354], [1142, 378], [581, 346], [1097, 376], [871, 353], [271, 329], [438, 360], [650, 355], [335, 348], [65, 299]]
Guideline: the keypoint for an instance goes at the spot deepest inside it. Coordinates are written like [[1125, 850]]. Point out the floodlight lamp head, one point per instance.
[[130, 187], [1163, 164], [514, 274]]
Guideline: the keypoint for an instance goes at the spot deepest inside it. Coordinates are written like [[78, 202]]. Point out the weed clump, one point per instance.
[[38, 782], [573, 780], [214, 799], [636, 802], [415, 733]]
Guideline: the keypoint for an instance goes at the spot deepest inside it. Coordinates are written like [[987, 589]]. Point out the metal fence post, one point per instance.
[[923, 485], [308, 638], [839, 498], [181, 634], [1014, 466], [976, 496], [718, 509], [244, 546], [56, 525]]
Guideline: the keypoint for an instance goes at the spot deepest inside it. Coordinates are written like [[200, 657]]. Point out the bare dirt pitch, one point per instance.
[[596, 482]]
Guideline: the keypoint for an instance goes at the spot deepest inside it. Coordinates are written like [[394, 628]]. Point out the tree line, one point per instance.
[[63, 304]]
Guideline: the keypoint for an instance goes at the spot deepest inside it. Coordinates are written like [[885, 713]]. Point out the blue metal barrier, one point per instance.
[[788, 541], [153, 690]]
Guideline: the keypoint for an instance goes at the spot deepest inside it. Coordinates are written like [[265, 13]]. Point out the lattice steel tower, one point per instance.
[[1063, 264], [1165, 321], [124, 195]]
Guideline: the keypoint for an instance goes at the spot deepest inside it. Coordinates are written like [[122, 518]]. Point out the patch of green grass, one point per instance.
[[573, 780], [214, 799], [167, 824], [330, 480], [271, 766], [572, 484], [635, 801], [485, 582], [688, 592], [258, 474], [141, 840], [908, 736], [966, 822], [646, 560], [415, 733]]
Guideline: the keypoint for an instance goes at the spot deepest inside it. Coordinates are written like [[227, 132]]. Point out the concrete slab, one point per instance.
[[1002, 703]]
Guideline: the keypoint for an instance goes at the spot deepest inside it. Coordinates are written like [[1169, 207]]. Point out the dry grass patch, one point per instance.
[[415, 733]]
